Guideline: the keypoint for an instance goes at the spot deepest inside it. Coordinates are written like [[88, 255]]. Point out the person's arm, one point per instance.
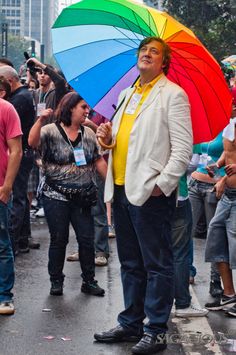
[[180, 133], [221, 161], [220, 186], [101, 167], [89, 123], [15, 155], [34, 134]]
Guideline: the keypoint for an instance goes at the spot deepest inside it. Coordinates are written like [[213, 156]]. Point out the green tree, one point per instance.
[[213, 21], [16, 48]]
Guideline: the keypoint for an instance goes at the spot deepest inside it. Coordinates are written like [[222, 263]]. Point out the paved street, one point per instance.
[[76, 316]]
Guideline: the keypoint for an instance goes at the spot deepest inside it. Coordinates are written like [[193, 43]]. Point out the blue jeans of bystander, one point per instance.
[[6, 257]]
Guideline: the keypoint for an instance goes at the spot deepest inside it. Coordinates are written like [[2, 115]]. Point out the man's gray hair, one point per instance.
[[9, 72]]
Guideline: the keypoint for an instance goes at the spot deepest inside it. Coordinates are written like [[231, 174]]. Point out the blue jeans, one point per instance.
[[59, 215], [19, 227], [100, 222], [221, 238], [181, 237], [144, 245], [6, 257], [203, 199]]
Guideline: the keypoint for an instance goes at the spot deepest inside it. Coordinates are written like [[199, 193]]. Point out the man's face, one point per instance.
[[150, 59], [44, 79]]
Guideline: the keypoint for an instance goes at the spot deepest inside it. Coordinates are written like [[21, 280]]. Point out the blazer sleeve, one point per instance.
[[181, 140]]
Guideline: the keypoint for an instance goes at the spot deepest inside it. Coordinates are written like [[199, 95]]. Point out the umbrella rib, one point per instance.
[[119, 30], [115, 84], [149, 22], [97, 65], [188, 77]]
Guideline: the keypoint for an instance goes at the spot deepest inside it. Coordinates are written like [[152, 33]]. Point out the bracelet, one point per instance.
[[106, 146]]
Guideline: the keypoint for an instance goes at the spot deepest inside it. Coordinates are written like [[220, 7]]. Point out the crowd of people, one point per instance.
[[52, 142]]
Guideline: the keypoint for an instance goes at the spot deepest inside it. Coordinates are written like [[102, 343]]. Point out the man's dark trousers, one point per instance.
[[19, 227], [145, 253]]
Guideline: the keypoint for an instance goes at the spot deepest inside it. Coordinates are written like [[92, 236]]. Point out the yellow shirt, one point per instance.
[[122, 138]]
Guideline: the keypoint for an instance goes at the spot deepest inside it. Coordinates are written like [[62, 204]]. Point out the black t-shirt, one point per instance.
[[22, 100]]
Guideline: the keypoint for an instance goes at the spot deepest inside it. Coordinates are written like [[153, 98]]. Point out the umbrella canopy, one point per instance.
[[95, 44]]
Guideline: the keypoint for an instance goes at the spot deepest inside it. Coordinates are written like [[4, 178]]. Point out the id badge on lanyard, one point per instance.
[[40, 108], [79, 156], [133, 104]]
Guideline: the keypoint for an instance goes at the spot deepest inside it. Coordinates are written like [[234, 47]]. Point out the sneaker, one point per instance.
[[7, 307], [73, 257], [215, 289], [101, 261], [56, 288], [92, 288], [220, 303], [40, 213], [231, 311], [191, 311], [111, 231]]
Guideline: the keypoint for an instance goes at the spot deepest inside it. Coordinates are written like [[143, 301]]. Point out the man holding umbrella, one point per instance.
[[152, 147]]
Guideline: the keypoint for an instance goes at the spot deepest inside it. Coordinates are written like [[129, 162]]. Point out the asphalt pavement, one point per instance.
[[48, 325]]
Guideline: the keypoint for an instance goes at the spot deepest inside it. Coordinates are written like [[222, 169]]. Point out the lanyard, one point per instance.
[[69, 141], [42, 98]]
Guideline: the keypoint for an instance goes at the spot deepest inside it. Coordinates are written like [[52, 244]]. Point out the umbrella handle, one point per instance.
[[106, 146]]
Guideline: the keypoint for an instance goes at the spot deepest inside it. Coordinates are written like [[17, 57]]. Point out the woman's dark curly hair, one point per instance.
[[5, 86], [68, 102]]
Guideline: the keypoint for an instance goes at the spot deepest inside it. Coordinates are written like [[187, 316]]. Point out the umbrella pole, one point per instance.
[[112, 145]]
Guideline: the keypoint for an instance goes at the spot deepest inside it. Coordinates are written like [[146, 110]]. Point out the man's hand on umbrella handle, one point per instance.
[[104, 136]]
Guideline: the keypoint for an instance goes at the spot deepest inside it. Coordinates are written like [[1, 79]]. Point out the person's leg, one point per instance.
[[217, 250], [181, 238], [197, 206], [210, 203], [100, 223], [226, 268], [58, 218], [133, 274], [20, 202], [6, 257], [82, 222], [152, 223], [227, 278]]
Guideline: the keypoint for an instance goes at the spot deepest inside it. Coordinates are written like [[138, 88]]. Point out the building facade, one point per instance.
[[31, 19]]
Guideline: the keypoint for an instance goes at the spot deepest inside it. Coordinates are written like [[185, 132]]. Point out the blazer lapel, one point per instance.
[[153, 94]]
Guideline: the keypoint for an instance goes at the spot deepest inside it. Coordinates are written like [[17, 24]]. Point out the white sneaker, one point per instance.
[[191, 311], [111, 231], [73, 257], [100, 261], [40, 213], [7, 307]]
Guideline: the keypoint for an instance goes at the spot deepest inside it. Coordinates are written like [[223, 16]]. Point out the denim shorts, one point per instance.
[[221, 238]]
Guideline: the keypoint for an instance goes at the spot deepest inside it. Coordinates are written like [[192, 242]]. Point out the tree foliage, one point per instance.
[[213, 21], [15, 50]]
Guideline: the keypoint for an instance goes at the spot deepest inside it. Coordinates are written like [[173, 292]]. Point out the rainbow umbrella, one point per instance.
[[95, 44]]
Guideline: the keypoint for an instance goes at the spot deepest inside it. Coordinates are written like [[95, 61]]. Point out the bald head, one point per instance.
[[11, 75]]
